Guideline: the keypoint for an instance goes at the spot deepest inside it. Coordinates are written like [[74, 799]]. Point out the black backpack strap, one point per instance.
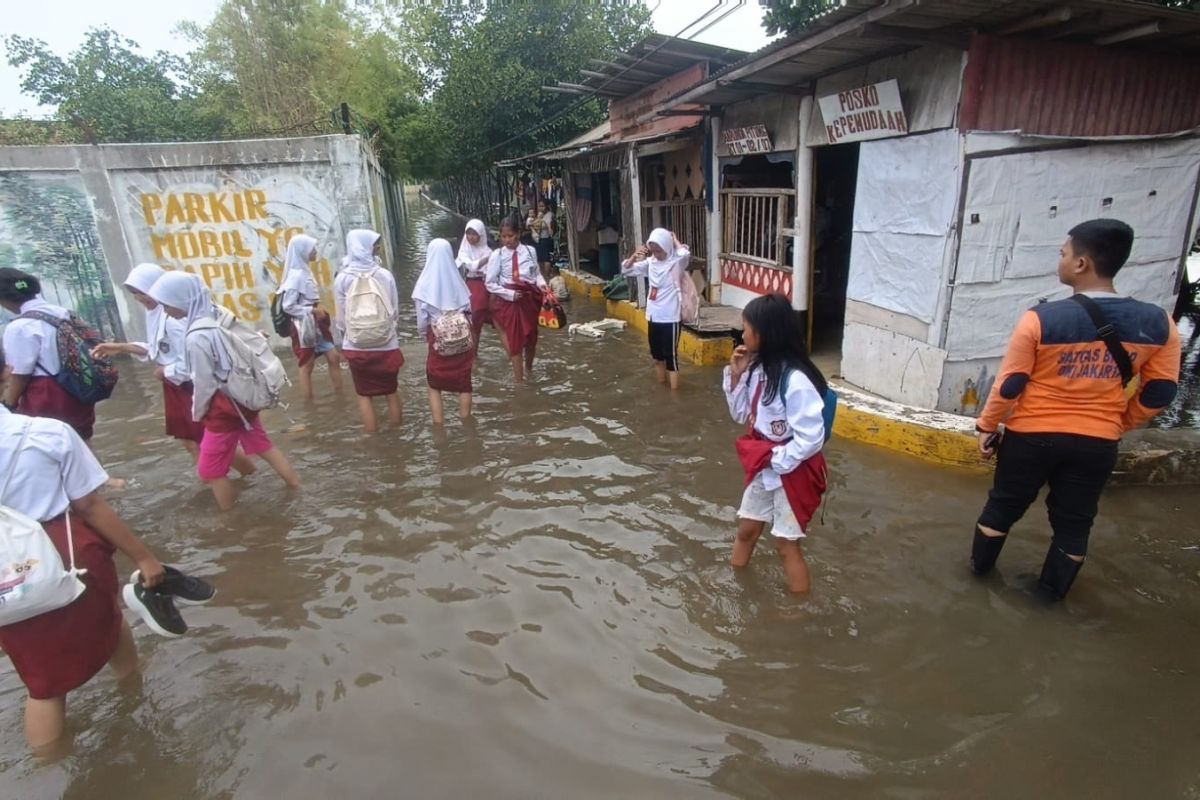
[[1106, 333]]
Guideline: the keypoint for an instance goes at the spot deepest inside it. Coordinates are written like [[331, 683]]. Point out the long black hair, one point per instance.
[[781, 344], [17, 286]]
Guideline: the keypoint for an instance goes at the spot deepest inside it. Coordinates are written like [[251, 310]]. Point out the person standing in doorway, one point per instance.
[[664, 261], [367, 312], [543, 232], [1078, 373], [312, 337], [516, 285]]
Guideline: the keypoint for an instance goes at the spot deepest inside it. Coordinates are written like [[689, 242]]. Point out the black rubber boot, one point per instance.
[[1058, 573], [984, 551]]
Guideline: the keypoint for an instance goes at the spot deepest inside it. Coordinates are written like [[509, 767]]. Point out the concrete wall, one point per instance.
[[222, 210]]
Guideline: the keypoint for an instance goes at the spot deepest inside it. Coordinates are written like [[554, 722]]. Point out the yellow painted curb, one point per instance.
[[934, 436], [706, 351]]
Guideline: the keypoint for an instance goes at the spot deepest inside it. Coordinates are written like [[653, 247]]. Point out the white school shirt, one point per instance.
[[204, 369], [547, 226], [426, 314], [499, 270], [342, 284], [665, 301], [30, 345], [799, 415], [54, 467], [171, 334], [470, 265]]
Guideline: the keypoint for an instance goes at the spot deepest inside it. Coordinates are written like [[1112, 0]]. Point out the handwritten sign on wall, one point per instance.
[[870, 112]]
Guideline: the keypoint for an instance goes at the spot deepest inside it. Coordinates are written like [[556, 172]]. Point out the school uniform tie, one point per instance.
[[516, 269]]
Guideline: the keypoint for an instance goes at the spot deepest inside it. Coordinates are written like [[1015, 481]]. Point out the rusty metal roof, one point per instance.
[[861, 31]]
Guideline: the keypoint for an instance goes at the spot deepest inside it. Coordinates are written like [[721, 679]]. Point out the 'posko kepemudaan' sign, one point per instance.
[[872, 112]]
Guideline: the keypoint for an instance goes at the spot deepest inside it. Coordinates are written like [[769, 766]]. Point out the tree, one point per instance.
[[109, 92], [486, 66]]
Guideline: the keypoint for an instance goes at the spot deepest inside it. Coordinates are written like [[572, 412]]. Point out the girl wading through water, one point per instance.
[[516, 285], [367, 305], [208, 364], [312, 336], [663, 259], [46, 473], [164, 347], [473, 257], [443, 319], [773, 387]]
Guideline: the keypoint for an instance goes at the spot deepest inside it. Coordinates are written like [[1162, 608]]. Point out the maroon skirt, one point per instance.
[[518, 319], [481, 307], [62, 649], [375, 372], [448, 373], [177, 408], [305, 355], [43, 397]]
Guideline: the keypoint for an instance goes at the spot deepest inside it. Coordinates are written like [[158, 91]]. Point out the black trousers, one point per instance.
[[1076, 469]]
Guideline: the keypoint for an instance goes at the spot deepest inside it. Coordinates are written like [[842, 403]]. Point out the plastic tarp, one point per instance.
[[904, 207], [1019, 207]]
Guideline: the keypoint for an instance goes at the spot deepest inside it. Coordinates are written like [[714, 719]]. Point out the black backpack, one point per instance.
[[279, 318]]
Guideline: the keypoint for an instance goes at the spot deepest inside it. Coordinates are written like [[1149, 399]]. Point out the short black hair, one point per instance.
[[17, 286], [1106, 241]]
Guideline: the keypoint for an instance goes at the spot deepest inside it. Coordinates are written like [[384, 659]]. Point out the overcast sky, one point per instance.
[[62, 23]]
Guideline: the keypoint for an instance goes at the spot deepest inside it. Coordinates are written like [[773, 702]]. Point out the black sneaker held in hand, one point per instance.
[[156, 610], [185, 589]]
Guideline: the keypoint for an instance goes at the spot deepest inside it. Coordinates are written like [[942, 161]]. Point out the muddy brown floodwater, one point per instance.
[[541, 607]]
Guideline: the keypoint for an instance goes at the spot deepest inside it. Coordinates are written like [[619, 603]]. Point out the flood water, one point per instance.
[[541, 607]]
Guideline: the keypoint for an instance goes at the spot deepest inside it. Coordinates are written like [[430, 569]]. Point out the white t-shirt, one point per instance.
[[341, 286], [798, 415], [30, 345], [547, 231], [53, 468], [665, 301]]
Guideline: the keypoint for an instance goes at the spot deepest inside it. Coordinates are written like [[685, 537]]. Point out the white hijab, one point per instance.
[[472, 253], [441, 285], [187, 292], [663, 238], [297, 275], [360, 250], [141, 278]]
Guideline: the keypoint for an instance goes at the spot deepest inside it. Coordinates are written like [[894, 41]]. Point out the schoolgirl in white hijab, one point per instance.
[[441, 290], [164, 346], [226, 425], [312, 333], [473, 257], [663, 260], [375, 370]]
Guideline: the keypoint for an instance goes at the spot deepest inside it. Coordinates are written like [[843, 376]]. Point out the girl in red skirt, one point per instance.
[[473, 257], [516, 284], [31, 349], [312, 334], [164, 347], [49, 472], [773, 387], [227, 425], [375, 365], [441, 290]]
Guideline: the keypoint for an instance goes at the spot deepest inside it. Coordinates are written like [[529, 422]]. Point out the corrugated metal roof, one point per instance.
[[1070, 90], [649, 61], [862, 31]]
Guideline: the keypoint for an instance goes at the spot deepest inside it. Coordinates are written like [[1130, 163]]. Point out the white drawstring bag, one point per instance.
[[33, 580]]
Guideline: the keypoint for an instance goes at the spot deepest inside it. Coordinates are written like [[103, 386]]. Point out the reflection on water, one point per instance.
[[1185, 411], [539, 606]]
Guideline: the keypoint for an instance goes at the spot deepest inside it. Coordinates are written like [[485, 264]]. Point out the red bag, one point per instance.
[[552, 315]]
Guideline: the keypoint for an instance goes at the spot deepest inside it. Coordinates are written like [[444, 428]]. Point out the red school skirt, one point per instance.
[[481, 306], [375, 372], [448, 373], [518, 319], [43, 397], [305, 355], [63, 649], [177, 408]]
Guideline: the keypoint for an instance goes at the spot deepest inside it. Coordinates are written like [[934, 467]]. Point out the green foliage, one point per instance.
[[109, 92]]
